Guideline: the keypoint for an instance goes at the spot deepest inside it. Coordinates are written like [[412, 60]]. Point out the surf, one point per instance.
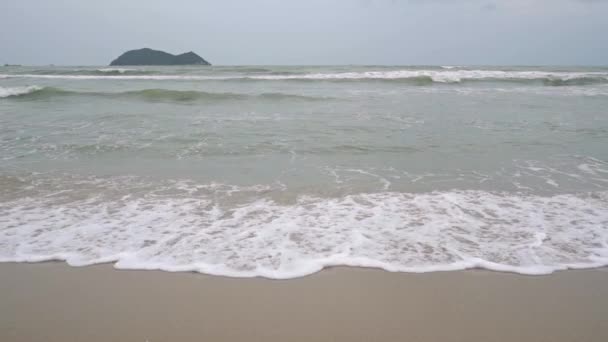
[[441, 76], [153, 95]]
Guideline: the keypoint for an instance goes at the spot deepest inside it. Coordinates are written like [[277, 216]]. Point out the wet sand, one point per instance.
[[55, 302]]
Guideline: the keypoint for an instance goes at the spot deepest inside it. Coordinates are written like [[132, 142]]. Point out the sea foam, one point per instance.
[[401, 232], [18, 91], [119, 70]]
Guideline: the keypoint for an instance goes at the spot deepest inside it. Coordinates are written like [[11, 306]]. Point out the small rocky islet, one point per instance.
[[148, 56]]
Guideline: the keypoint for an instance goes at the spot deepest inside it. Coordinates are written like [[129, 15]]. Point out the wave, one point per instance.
[[190, 95], [575, 81], [18, 91], [423, 76], [36, 93], [247, 69], [87, 72], [183, 227], [455, 76], [118, 70], [176, 95]]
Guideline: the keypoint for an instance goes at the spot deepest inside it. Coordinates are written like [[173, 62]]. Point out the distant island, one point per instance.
[[155, 57]]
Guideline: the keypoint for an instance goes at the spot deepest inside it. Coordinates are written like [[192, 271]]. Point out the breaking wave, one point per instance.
[[186, 227], [87, 72], [419, 76], [19, 91], [121, 71]]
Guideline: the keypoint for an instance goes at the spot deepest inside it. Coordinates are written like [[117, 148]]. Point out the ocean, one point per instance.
[[279, 172]]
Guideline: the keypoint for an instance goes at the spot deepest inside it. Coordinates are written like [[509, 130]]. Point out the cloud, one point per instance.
[[489, 7]]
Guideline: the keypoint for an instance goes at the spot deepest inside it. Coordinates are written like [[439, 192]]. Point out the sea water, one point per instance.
[[280, 171]]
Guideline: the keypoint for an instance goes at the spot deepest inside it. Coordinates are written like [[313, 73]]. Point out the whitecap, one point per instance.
[[17, 91]]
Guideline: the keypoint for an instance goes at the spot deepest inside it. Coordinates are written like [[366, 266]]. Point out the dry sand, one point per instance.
[[54, 302]]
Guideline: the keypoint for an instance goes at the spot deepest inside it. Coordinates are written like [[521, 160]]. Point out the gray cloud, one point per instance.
[[489, 7], [310, 32]]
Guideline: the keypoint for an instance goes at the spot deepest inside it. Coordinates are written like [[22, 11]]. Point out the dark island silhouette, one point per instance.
[[147, 56]]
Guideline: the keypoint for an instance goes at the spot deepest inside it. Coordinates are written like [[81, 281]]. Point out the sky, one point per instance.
[[310, 32]]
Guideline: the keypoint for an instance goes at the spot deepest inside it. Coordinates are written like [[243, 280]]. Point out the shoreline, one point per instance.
[[52, 301]]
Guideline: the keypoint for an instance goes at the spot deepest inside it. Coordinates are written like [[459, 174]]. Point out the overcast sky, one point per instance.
[[530, 32]]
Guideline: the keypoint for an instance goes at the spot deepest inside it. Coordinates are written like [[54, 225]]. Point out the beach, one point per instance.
[[304, 171], [303, 203], [54, 302]]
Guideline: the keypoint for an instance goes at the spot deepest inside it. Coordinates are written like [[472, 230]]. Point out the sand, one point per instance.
[[55, 302]]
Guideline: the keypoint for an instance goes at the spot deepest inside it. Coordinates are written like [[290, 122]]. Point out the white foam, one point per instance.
[[16, 91], [119, 70], [402, 232], [442, 76]]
